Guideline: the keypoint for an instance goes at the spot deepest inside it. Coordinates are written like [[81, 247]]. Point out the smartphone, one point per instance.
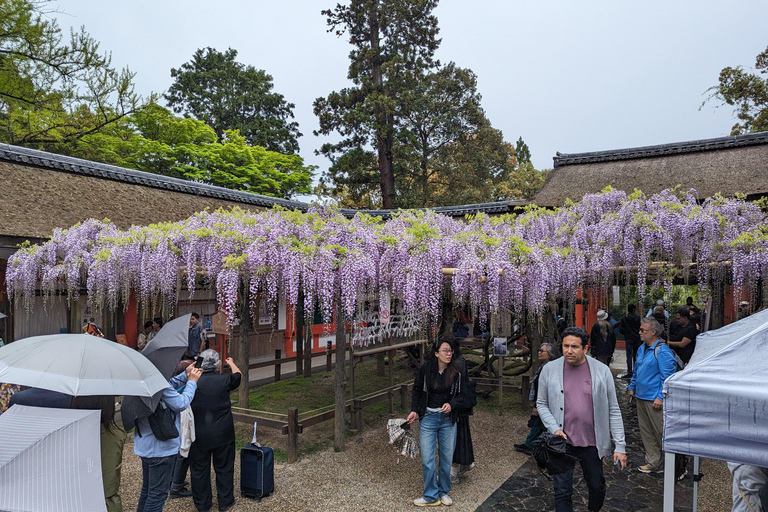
[[618, 464], [199, 362]]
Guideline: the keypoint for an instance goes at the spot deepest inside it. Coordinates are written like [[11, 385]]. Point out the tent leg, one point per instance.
[[695, 483], [669, 482]]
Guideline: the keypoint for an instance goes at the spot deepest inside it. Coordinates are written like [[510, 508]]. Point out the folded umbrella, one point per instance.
[[399, 429], [79, 365]]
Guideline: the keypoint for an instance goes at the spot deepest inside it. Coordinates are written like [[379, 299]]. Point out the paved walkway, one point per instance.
[[628, 491]]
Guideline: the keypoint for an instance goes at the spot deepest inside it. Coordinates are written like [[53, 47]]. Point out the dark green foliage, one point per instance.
[[393, 45], [227, 95]]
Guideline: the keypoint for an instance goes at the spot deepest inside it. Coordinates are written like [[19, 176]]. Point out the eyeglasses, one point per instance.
[[541, 350], [644, 330], [446, 351]]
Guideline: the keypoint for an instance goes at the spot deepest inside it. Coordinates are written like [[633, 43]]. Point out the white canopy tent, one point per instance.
[[717, 407]]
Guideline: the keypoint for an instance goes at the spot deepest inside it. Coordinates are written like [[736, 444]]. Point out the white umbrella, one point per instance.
[[79, 365], [50, 459]]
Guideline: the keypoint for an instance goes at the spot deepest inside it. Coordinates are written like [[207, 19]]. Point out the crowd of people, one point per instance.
[[573, 396]]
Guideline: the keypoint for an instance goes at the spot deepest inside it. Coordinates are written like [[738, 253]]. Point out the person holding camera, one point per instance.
[[214, 434], [158, 457]]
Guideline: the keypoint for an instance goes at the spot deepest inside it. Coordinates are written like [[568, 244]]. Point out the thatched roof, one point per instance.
[[42, 191], [728, 165]]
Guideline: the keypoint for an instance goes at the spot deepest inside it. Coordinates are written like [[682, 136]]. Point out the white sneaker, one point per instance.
[[454, 479], [421, 502], [446, 500]]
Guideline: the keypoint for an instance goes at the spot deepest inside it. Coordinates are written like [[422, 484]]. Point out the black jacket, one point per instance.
[[214, 425], [420, 395]]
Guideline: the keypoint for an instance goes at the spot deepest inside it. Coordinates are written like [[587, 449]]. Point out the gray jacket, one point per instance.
[[606, 408]]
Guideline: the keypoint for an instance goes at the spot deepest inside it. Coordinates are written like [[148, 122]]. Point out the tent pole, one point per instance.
[[669, 482], [695, 483]]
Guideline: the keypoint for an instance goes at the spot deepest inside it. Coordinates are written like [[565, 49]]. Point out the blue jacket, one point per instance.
[[650, 374], [148, 445]]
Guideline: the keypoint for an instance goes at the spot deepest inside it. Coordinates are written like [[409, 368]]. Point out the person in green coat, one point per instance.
[[112, 441]]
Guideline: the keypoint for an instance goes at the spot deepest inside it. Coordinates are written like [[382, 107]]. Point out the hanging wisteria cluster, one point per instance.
[[517, 262]]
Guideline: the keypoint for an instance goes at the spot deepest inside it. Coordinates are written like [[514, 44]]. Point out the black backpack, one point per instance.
[[162, 422]]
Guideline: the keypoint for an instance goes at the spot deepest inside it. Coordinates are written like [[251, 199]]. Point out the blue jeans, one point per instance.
[[592, 468], [156, 475], [180, 468], [436, 434]]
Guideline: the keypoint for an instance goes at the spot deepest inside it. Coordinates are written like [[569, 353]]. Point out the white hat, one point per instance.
[[659, 302], [602, 315]]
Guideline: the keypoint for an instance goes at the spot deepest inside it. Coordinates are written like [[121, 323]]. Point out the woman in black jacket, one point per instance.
[[439, 391], [214, 434]]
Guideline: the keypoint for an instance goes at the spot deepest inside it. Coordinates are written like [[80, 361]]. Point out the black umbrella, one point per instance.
[[165, 351]]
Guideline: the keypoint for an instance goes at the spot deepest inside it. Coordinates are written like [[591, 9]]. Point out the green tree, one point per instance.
[[445, 152], [156, 141], [54, 92], [393, 45], [227, 95], [444, 138], [747, 93]]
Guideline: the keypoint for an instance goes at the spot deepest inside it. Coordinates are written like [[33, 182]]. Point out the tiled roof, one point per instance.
[[676, 148]]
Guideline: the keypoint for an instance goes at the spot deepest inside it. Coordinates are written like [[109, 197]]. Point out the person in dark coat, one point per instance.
[[37, 397], [547, 352], [214, 434], [602, 339], [629, 326], [464, 453]]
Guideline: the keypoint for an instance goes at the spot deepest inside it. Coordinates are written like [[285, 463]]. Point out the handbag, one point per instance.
[[163, 423], [551, 454]]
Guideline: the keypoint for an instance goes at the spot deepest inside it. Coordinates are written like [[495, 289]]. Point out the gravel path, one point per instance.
[[369, 475]]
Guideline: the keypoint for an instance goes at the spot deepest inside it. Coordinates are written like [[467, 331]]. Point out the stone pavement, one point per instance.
[[628, 490]]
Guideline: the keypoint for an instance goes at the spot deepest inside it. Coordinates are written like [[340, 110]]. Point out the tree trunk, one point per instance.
[[340, 373], [383, 121], [244, 352], [299, 334]]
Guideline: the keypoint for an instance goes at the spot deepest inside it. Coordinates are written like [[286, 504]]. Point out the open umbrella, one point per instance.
[[168, 345], [50, 459], [164, 350], [79, 364]]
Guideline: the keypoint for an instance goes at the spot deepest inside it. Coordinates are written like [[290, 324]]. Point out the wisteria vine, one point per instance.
[[524, 260]]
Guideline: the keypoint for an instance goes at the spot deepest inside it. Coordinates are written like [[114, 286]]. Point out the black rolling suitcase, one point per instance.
[[257, 470]]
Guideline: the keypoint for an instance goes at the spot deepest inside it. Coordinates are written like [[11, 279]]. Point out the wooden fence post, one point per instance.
[[404, 397], [357, 415], [526, 388], [277, 366], [501, 383], [293, 435]]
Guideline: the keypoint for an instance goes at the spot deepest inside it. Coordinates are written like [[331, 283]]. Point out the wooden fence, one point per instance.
[[293, 423]]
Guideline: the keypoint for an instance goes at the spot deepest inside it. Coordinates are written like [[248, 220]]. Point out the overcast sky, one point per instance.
[[566, 76]]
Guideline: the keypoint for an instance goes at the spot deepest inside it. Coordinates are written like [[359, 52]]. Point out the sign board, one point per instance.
[[616, 296], [500, 347]]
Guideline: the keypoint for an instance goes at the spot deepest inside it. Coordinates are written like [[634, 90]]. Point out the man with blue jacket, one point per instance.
[[158, 457], [655, 362]]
